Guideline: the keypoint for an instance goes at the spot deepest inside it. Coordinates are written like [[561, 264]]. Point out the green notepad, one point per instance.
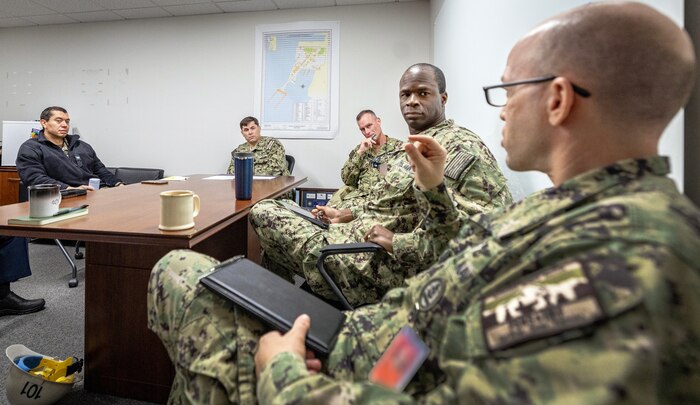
[[43, 221]]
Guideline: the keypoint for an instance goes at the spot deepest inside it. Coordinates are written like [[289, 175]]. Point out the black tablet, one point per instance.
[[275, 300], [304, 214]]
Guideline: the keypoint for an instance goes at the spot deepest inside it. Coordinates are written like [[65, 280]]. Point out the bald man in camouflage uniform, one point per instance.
[[268, 152], [292, 244], [366, 166], [582, 293]]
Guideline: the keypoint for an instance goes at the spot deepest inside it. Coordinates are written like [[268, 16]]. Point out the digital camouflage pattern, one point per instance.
[[361, 172], [291, 244], [211, 343], [583, 293], [268, 157]]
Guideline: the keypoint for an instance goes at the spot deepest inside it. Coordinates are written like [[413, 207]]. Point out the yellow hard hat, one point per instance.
[[25, 388]]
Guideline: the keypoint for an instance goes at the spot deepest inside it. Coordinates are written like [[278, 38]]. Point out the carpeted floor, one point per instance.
[[58, 330]]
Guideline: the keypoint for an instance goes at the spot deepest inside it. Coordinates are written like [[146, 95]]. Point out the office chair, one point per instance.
[[129, 175], [337, 249], [73, 282], [290, 162]]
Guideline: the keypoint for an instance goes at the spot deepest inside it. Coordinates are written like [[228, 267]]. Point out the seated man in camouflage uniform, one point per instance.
[[366, 165], [582, 293], [292, 245], [268, 152]]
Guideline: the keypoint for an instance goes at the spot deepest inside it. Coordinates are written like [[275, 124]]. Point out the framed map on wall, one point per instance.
[[296, 79]]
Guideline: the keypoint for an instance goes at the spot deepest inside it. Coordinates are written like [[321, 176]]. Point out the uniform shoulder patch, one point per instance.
[[431, 293], [544, 305], [461, 162]]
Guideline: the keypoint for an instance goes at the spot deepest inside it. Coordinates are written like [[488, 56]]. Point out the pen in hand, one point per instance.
[[67, 210]]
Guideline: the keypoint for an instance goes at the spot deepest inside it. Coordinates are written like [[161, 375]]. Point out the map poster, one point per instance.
[[296, 79]]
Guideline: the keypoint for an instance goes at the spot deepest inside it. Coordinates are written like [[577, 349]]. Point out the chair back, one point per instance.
[[23, 193], [290, 162], [131, 175]]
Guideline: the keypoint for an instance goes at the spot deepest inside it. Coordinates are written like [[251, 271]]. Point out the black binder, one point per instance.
[[304, 214], [274, 300]]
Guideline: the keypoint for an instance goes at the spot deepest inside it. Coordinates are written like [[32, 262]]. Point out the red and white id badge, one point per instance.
[[400, 361]]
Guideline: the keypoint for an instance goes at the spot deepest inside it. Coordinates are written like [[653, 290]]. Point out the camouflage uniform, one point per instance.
[[269, 157], [292, 244], [583, 293], [361, 172]]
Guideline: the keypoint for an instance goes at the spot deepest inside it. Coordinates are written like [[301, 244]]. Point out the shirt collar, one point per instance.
[[548, 203]]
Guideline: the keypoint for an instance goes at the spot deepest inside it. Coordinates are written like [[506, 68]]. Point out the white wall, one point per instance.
[[471, 43], [170, 92]]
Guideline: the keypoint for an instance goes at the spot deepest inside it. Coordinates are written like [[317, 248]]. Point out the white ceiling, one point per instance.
[[21, 13]]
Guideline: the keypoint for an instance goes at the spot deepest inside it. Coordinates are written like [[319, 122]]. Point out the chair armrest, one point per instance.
[[336, 249]]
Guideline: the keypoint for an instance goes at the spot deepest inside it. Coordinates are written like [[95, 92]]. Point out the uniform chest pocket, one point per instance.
[[399, 174]]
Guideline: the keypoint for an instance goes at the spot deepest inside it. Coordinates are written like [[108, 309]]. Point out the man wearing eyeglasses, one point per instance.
[[582, 293], [367, 163]]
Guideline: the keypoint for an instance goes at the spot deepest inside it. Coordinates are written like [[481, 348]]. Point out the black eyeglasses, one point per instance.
[[497, 95]]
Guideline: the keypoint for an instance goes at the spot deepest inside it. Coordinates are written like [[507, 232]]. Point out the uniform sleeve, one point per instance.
[[31, 168], [276, 161], [231, 169], [286, 380], [603, 325], [472, 174], [481, 188], [352, 169], [424, 245], [600, 369]]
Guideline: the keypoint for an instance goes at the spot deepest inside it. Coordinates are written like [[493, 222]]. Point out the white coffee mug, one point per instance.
[[178, 209], [44, 200]]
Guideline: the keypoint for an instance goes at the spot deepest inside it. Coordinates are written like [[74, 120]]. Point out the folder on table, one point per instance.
[[27, 220]]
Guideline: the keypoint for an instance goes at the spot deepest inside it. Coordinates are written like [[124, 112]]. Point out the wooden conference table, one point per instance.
[[123, 242]]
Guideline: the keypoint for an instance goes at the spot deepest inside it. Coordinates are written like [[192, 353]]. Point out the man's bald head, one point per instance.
[[637, 63]]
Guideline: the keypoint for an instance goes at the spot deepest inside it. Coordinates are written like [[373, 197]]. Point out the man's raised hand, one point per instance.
[[427, 159]]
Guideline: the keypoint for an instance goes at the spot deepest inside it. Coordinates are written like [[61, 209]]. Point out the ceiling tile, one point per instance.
[[51, 19], [178, 2], [70, 6], [124, 4], [246, 5], [193, 9], [148, 12], [354, 2], [14, 22], [303, 3], [94, 16], [22, 8]]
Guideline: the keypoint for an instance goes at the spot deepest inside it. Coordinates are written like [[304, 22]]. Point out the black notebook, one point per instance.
[[275, 300], [74, 192], [304, 214]]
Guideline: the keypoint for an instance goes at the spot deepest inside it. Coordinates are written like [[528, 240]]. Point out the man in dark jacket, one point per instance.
[[54, 157]]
